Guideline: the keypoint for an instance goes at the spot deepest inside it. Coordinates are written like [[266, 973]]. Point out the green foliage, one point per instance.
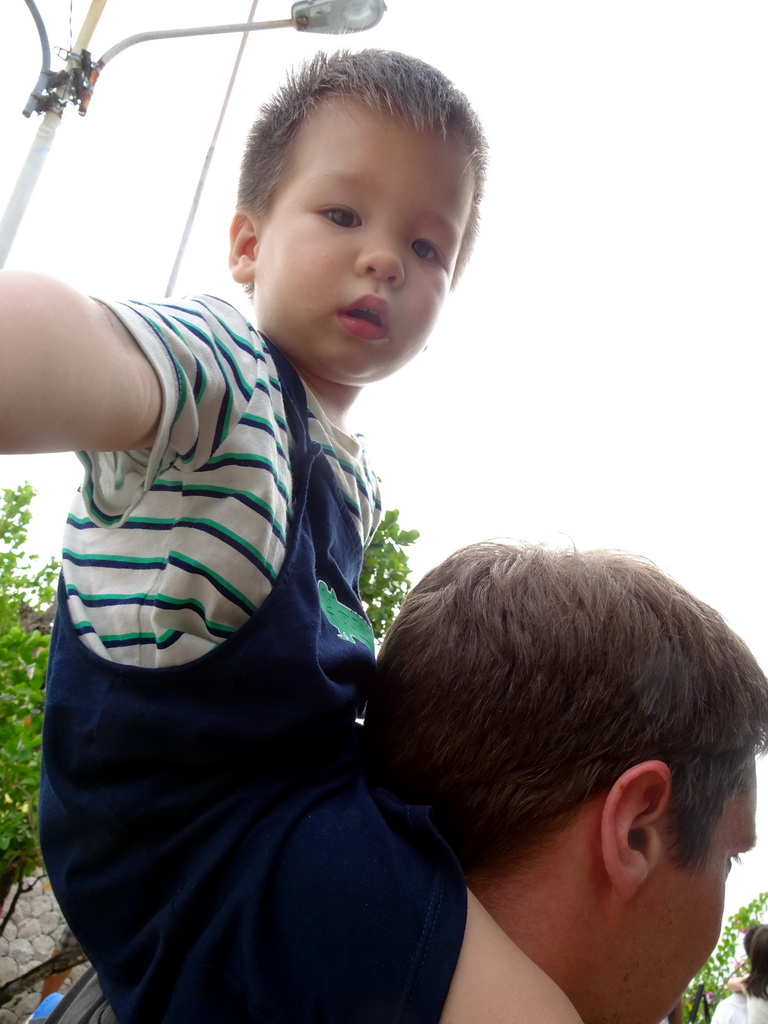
[[728, 956], [384, 580], [24, 587]]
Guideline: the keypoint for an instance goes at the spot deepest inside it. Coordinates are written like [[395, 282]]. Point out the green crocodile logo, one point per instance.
[[350, 625]]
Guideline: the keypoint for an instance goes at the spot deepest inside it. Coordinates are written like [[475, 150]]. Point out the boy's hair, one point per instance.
[[756, 982], [518, 682], [384, 80]]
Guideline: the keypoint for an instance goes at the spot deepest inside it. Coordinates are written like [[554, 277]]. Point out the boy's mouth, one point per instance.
[[367, 319], [363, 313]]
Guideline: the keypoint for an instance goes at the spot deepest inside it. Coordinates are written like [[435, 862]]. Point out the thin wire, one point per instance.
[[207, 162], [45, 61]]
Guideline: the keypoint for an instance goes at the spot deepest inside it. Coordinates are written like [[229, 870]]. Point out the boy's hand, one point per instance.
[[71, 376]]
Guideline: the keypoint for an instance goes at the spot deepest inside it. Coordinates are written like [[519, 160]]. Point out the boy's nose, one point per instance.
[[383, 265]]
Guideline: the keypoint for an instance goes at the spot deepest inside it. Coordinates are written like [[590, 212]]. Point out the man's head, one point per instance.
[[585, 731], [518, 682], [357, 210]]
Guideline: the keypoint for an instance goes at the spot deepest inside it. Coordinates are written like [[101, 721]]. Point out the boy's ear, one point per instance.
[[633, 825], [243, 241]]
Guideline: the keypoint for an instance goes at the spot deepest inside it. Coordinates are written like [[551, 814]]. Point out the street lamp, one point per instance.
[[75, 85], [329, 17], [337, 18]]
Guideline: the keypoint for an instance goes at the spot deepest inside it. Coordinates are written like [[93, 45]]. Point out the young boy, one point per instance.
[[205, 816]]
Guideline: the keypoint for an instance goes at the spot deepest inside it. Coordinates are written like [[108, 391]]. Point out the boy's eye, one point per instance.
[[425, 250], [343, 218]]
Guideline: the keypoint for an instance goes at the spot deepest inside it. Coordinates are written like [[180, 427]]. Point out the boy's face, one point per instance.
[[354, 257]]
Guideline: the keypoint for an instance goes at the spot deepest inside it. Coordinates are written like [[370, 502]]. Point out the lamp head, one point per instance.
[[337, 17]]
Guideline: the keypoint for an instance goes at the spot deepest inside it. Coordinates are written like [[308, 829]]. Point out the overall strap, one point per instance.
[[294, 395]]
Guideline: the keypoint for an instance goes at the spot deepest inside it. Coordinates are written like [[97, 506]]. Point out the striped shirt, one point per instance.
[[168, 551]]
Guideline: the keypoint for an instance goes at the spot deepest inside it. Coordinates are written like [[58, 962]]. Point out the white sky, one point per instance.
[[598, 374]]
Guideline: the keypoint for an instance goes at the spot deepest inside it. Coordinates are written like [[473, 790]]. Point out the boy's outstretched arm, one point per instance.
[[71, 376], [496, 983]]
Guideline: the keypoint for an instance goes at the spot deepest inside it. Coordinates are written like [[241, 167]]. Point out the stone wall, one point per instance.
[[29, 939]]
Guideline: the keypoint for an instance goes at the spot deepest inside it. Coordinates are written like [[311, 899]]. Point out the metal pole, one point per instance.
[[25, 184], [207, 163], [89, 24], [41, 144], [181, 33]]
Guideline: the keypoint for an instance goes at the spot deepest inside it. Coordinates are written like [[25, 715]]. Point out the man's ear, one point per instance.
[[243, 242], [633, 825]]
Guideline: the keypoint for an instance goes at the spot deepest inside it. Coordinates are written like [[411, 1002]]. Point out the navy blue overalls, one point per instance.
[[209, 830]]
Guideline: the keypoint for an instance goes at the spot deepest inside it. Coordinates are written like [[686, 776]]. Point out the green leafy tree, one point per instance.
[[26, 591], [727, 957], [384, 580]]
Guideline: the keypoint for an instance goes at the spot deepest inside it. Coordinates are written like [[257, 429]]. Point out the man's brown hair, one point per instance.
[[518, 682]]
